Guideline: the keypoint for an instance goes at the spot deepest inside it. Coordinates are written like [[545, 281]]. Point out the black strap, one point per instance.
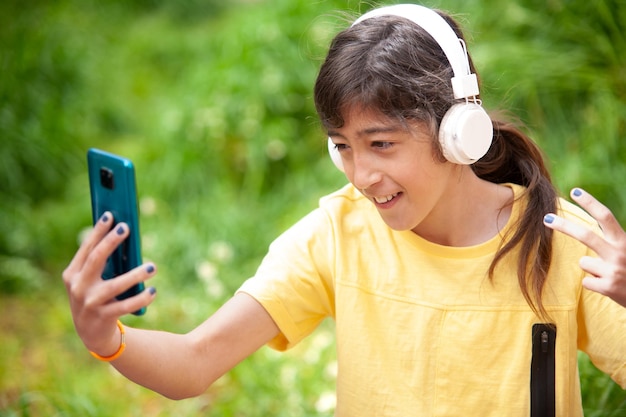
[[542, 371]]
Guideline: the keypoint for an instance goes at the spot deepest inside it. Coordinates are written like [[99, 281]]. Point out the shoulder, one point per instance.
[[347, 201], [347, 195], [349, 211], [322, 223]]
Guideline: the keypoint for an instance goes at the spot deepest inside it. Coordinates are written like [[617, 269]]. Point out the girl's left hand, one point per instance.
[[607, 272]]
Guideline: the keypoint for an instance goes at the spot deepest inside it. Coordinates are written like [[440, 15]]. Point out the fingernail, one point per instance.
[[152, 290], [577, 192], [150, 269], [120, 230], [104, 218], [548, 218]]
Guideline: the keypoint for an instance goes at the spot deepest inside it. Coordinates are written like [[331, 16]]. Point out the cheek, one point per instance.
[[426, 183], [424, 158], [418, 172]]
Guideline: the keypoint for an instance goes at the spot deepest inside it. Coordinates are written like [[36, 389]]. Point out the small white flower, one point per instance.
[[221, 251], [148, 206], [207, 272], [276, 150], [326, 402]]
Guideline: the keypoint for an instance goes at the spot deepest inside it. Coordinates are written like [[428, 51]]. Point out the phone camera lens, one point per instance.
[[106, 178]]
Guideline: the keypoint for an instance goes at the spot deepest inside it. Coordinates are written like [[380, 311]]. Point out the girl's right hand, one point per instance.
[[95, 310]]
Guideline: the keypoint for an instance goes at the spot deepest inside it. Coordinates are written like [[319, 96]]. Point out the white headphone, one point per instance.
[[466, 130]]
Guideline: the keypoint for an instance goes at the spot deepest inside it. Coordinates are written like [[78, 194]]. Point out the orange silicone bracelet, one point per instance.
[[120, 350]]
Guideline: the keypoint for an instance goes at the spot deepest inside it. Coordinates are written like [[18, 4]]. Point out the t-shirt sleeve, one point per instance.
[[601, 321], [602, 334], [293, 282]]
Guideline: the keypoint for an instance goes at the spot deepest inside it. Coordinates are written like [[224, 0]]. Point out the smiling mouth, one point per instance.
[[385, 199]]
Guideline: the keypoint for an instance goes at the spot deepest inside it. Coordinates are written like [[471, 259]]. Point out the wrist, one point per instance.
[[121, 346]]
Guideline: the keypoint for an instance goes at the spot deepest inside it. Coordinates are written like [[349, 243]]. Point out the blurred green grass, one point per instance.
[[212, 100]]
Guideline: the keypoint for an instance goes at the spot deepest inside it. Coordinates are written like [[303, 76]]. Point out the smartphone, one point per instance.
[[113, 188]]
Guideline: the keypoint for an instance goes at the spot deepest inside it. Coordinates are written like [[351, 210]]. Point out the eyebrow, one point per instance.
[[370, 130]]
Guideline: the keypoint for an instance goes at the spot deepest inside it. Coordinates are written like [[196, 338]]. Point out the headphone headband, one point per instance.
[[464, 83], [466, 130]]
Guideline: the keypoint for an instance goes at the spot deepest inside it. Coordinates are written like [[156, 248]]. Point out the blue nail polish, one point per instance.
[[104, 218], [152, 290], [548, 218], [150, 269], [577, 192], [120, 230]]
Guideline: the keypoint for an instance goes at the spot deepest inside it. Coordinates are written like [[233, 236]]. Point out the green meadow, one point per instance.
[[213, 102]]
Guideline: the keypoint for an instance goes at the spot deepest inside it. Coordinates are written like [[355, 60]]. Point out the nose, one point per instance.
[[362, 171]]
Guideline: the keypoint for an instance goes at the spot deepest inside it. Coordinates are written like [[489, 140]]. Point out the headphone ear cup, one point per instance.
[[465, 133], [335, 156]]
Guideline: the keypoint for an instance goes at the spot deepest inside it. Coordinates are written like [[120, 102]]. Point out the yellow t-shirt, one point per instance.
[[421, 330]]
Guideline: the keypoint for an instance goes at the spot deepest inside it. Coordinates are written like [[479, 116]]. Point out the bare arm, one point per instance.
[[181, 366], [177, 366]]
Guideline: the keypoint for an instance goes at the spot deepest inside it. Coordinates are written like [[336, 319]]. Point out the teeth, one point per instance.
[[385, 199]]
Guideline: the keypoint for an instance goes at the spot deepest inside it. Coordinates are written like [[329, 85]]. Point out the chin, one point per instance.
[[399, 225]]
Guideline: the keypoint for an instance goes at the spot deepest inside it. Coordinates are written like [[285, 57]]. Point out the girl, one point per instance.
[[450, 295]]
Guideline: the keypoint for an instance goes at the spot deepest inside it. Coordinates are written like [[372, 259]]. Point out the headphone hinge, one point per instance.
[[465, 86]]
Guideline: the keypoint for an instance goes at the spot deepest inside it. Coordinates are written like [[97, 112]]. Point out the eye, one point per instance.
[[381, 145], [341, 146]]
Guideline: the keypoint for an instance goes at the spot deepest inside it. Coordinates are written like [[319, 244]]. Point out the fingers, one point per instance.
[[595, 267], [89, 262], [607, 271], [576, 231], [607, 287], [597, 285], [613, 234], [605, 218], [130, 305], [104, 292], [91, 296], [96, 259], [100, 229]]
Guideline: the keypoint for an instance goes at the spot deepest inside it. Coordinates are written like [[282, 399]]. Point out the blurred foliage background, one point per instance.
[[212, 101]]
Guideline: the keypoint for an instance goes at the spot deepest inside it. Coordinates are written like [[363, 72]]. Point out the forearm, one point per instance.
[[167, 363], [182, 366]]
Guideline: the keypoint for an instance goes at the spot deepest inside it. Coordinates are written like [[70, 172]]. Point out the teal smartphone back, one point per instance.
[[113, 188]]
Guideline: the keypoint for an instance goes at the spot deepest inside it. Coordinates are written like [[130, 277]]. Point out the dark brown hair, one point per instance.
[[393, 66]]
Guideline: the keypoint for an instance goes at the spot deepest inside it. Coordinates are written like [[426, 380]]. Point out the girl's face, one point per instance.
[[395, 167]]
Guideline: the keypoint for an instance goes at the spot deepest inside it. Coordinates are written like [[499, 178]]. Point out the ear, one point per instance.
[[335, 155], [465, 133]]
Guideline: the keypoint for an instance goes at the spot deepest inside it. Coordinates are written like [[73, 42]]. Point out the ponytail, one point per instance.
[[515, 158]]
